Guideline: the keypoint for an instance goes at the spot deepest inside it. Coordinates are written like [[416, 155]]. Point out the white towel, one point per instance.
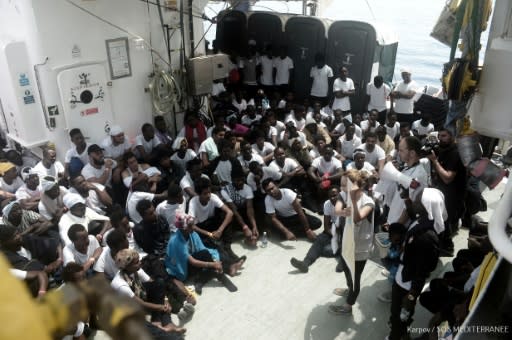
[[433, 201]]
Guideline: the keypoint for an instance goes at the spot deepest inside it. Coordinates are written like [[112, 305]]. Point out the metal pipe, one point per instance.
[[498, 223], [191, 29], [41, 96]]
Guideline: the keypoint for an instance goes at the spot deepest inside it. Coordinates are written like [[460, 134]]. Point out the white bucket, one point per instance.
[[383, 244]]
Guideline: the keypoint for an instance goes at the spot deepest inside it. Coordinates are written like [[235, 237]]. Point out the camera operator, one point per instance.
[[449, 176]]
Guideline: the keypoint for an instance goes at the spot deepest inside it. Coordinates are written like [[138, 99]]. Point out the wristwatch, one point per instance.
[[411, 297]]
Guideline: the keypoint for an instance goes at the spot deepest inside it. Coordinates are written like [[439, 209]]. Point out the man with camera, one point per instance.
[[449, 176]]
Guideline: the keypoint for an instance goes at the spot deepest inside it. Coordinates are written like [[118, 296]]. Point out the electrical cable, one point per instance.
[[150, 40], [138, 37], [165, 92], [371, 10], [172, 9]]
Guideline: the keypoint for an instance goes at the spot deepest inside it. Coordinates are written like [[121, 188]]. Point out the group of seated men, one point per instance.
[[176, 202]]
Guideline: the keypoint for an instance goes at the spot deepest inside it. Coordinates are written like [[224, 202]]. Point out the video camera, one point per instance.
[[431, 143]]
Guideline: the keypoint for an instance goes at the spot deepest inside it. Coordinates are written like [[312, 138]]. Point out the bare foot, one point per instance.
[[173, 328], [235, 267], [250, 241], [311, 235]]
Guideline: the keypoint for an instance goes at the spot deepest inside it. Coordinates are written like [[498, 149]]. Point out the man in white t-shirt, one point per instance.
[[370, 124], [267, 70], [258, 174], [320, 74], [360, 164], [284, 71], [292, 172], [348, 142], [286, 213], [212, 217], [106, 264], [423, 127], [115, 145], [374, 153], [77, 156], [84, 249], [403, 97], [49, 165], [325, 170], [343, 88], [140, 191], [377, 94], [147, 144], [98, 169]]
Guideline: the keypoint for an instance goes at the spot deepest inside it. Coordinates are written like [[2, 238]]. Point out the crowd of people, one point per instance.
[[159, 214]]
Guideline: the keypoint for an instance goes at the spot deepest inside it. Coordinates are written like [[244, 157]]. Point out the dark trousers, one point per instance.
[[322, 100], [320, 247], [155, 291], [355, 286], [398, 328], [204, 255], [406, 118], [213, 223], [295, 224], [382, 117]]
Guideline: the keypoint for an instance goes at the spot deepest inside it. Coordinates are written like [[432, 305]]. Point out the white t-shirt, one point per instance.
[[223, 171], [70, 254], [68, 219], [106, 264], [301, 137], [280, 127], [282, 207], [12, 188], [267, 70], [404, 105], [365, 126], [218, 88], [88, 171], [289, 165], [300, 124], [182, 162], [53, 171], [246, 193], [375, 156], [348, 146], [268, 148], [209, 147], [314, 153], [168, 211], [341, 129], [340, 85], [114, 151], [366, 167], [203, 212], [246, 120], [119, 284], [187, 182], [254, 158], [283, 67], [147, 145], [84, 156], [363, 231], [321, 76], [378, 96], [324, 167], [131, 204], [24, 193], [268, 172], [422, 130], [393, 131], [329, 211], [242, 106]]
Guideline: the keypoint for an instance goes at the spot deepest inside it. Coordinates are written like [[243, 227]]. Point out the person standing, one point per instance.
[[267, 70], [377, 94], [320, 74], [284, 71], [402, 97], [343, 88]]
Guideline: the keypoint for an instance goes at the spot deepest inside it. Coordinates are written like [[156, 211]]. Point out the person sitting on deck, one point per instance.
[[285, 212], [84, 249], [29, 194], [51, 205]]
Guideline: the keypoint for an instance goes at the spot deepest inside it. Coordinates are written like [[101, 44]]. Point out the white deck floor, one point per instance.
[[275, 301]]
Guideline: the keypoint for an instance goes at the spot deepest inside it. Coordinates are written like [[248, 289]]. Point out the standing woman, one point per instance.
[[362, 215]]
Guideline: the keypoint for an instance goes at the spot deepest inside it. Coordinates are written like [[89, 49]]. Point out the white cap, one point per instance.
[[115, 130], [405, 70], [71, 199]]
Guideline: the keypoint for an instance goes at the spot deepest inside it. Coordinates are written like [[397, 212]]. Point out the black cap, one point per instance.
[[94, 148]]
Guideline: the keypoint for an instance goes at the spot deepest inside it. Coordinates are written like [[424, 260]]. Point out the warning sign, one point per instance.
[[89, 112]]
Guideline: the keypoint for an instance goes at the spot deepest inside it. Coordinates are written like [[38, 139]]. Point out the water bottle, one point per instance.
[[404, 314], [264, 240]]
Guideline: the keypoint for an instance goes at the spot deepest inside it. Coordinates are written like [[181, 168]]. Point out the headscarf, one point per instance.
[[115, 130], [125, 257], [5, 166], [26, 172], [177, 142], [48, 182], [7, 209], [71, 199], [433, 201]]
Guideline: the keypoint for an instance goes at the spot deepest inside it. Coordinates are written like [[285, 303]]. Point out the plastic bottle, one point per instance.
[[404, 315], [264, 240]]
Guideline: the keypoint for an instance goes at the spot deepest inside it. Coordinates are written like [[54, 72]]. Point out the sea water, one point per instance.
[[412, 20]]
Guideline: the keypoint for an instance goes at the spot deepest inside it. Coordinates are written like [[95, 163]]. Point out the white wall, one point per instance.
[[52, 27]]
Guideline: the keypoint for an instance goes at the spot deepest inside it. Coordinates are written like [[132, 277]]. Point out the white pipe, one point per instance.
[[498, 223]]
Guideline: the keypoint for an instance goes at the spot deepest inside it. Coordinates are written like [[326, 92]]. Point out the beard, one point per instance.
[[99, 161]]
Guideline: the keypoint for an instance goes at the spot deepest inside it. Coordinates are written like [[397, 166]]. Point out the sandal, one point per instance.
[[340, 291]]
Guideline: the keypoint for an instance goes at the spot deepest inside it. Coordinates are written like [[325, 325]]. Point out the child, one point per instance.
[[392, 260]]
